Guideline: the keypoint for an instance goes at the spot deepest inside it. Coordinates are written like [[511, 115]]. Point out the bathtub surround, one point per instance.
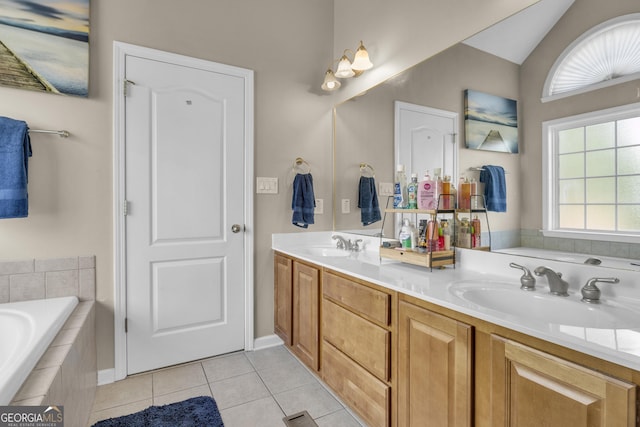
[[67, 373], [30, 279]]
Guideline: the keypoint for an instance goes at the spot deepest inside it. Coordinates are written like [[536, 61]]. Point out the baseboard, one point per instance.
[[266, 342], [106, 376]]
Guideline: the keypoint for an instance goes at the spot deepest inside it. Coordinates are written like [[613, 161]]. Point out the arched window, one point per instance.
[[607, 54]]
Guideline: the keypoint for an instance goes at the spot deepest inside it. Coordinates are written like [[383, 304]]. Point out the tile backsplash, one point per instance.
[[535, 239], [24, 280]]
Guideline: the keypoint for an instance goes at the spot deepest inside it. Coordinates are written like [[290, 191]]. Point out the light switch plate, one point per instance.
[[319, 207], [266, 185], [346, 206]]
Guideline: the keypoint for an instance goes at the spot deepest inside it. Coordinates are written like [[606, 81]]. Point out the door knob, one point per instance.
[[236, 228]]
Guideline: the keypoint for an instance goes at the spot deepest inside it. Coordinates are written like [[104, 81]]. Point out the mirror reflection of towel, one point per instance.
[[15, 149], [303, 201], [368, 201], [495, 188]]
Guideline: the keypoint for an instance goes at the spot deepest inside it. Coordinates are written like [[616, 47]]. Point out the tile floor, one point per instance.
[[256, 388]]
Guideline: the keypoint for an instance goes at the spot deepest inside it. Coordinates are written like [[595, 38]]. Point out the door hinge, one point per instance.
[[125, 208], [125, 87], [126, 325]]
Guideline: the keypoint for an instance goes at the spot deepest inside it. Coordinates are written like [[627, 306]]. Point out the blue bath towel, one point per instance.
[[15, 150], [495, 188], [303, 202], [368, 201]]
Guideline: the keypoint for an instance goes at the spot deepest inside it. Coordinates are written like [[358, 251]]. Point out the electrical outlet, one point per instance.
[[386, 188], [319, 207], [346, 206]]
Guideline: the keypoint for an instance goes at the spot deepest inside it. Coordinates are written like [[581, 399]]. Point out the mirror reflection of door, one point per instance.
[[425, 140]]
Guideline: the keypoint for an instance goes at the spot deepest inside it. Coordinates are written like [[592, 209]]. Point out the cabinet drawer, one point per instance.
[[363, 392], [361, 299], [363, 341]]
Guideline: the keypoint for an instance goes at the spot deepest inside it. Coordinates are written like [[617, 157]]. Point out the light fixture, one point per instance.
[[346, 68], [330, 81], [361, 60]]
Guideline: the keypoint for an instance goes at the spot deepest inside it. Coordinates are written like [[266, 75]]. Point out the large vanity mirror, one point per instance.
[[365, 129], [364, 134]]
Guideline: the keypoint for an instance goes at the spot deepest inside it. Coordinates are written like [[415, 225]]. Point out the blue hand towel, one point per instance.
[[495, 188], [303, 201], [368, 201], [15, 150]]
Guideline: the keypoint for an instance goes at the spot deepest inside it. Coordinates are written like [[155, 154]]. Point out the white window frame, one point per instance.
[[550, 187]]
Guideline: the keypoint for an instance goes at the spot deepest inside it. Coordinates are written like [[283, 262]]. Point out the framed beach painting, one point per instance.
[[491, 122], [44, 45]]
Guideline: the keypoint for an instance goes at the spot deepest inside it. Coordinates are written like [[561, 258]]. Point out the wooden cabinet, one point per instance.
[[357, 332], [283, 300], [296, 307], [435, 372], [306, 320], [532, 388]]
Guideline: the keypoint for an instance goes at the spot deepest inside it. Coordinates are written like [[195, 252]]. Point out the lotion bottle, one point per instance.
[[412, 192], [400, 188]]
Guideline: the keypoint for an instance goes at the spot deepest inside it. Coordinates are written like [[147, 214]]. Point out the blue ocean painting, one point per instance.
[[491, 122], [50, 40]]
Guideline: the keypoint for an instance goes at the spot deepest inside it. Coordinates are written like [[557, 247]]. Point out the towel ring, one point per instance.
[[364, 167], [300, 164]]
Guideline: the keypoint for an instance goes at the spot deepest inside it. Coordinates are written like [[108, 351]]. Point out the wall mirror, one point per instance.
[[364, 131]]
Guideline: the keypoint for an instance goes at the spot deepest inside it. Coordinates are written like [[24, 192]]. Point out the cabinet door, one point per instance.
[[434, 369], [306, 296], [283, 301], [532, 388]]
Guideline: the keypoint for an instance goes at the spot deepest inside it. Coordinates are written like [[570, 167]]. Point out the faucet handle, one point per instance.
[[528, 282], [591, 293], [355, 246]]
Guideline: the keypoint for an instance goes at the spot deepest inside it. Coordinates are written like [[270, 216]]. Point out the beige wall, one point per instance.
[[365, 125], [286, 42], [402, 33], [581, 16]]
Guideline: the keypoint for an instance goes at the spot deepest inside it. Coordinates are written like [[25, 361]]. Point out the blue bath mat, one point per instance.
[[196, 412]]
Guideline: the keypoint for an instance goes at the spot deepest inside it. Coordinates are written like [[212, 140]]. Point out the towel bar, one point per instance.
[[60, 133]]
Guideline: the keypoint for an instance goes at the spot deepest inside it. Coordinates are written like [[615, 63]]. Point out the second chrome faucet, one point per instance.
[[557, 285]]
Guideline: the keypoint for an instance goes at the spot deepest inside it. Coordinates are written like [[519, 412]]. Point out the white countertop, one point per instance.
[[617, 345]]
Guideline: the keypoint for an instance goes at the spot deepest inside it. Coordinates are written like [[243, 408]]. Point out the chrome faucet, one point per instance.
[[527, 281], [342, 243], [557, 285], [591, 293]]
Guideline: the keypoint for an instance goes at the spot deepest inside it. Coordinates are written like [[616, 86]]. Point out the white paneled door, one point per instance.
[[184, 156]]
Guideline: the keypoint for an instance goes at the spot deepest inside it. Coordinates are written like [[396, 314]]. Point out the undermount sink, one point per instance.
[[326, 251], [539, 305]]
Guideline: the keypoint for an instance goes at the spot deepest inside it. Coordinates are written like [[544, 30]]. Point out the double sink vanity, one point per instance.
[[463, 345]]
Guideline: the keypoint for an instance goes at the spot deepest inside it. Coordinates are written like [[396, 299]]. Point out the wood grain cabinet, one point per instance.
[[356, 346], [532, 388], [306, 318], [283, 299], [435, 371], [296, 307]]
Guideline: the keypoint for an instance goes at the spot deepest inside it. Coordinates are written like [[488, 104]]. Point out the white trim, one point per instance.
[[549, 157], [120, 52], [106, 376], [604, 26], [267, 342]]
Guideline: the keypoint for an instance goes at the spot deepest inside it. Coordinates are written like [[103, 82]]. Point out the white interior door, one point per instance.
[[425, 139], [184, 139]]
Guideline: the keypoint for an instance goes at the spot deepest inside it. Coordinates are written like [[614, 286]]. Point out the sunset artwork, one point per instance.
[[44, 45]]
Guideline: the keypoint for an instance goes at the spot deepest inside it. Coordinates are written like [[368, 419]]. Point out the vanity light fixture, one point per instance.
[[330, 81], [346, 68]]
